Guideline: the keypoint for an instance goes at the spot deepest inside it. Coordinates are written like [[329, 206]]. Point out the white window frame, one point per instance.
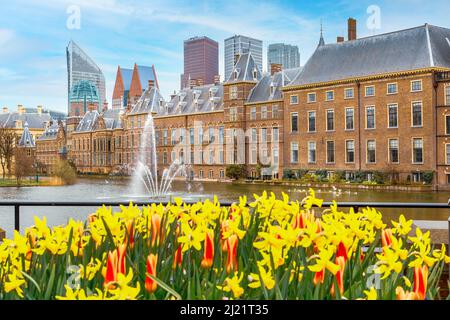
[[345, 115], [389, 150], [292, 153], [315, 150], [421, 85], [253, 112], [374, 118], [412, 114], [447, 97], [354, 151], [347, 90], [264, 112], [447, 128], [388, 107], [315, 121], [290, 120], [291, 97], [326, 95], [314, 94], [412, 150], [374, 91], [396, 88], [326, 152], [447, 159], [367, 151], [326, 121]]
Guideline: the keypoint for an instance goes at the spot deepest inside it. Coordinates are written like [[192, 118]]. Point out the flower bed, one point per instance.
[[266, 249]]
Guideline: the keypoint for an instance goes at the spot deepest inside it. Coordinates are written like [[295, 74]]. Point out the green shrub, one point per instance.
[[236, 171], [322, 175], [301, 173], [288, 174], [66, 172], [379, 177], [428, 177]]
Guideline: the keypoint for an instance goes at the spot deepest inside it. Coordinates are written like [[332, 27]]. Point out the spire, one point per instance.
[[321, 41]]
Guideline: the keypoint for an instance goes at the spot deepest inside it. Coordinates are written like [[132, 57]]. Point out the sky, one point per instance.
[[34, 35]]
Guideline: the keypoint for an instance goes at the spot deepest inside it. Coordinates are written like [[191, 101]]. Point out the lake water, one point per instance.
[[119, 190]]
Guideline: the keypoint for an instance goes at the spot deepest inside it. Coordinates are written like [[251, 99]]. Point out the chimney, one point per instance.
[[199, 82], [275, 67], [151, 83], [173, 95], [216, 79], [351, 29], [39, 109], [20, 109], [5, 109], [340, 39]]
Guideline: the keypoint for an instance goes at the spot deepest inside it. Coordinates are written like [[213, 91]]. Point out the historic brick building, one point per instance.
[[51, 146]]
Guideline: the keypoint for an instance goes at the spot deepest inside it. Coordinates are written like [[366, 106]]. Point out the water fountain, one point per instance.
[[145, 175]]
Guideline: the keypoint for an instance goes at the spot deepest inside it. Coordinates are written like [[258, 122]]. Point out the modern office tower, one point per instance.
[[201, 61], [237, 45], [286, 55], [81, 67]]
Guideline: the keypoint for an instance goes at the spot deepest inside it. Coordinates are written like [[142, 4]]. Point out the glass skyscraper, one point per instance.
[[286, 55], [237, 45], [81, 67]]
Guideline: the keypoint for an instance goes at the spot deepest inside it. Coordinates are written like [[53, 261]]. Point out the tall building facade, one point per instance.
[[81, 67], [201, 61], [286, 55], [238, 45]]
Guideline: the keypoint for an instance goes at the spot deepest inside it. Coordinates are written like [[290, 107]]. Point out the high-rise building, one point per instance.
[[286, 55], [81, 67], [237, 45], [201, 61]]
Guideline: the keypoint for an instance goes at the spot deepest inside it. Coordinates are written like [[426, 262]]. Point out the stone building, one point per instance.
[[51, 146]]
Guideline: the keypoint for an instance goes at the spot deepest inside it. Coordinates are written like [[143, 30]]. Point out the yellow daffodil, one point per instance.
[[233, 285]]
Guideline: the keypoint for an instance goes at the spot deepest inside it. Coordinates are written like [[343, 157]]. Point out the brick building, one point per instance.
[[51, 146]]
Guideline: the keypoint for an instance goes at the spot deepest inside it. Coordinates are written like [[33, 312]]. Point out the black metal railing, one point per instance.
[[355, 205]]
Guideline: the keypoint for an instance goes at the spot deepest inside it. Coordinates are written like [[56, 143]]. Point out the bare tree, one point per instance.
[[7, 146], [23, 164]]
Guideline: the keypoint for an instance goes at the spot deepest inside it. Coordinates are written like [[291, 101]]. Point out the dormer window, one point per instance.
[[255, 74], [236, 74], [272, 89], [161, 103]]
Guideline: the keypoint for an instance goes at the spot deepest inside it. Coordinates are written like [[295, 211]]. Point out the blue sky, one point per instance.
[[34, 34]]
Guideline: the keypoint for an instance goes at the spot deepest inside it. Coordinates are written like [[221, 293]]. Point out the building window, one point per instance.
[[447, 153], [233, 92], [263, 135], [393, 116], [447, 124], [211, 134], [275, 157], [294, 99], [254, 135], [200, 174], [349, 119], [191, 135], [350, 151], [393, 151], [253, 158], [392, 88], [274, 111], [211, 174], [329, 95], [371, 151], [222, 174], [165, 157], [417, 150], [330, 120], [447, 95], [416, 85], [311, 121], [313, 98], [294, 122], [182, 134], [275, 134], [165, 136], [221, 160], [349, 93], [448, 178], [370, 91], [330, 151], [312, 152], [221, 135], [174, 136], [416, 114], [370, 117], [294, 152], [253, 113], [211, 156], [233, 114], [264, 112]]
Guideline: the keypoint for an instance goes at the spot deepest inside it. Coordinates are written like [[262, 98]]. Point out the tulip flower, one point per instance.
[[405, 295], [115, 265], [232, 263], [319, 277], [156, 228], [420, 281], [178, 258], [150, 284], [340, 261], [342, 251], [208, 255], [130, 233], [386, 237]]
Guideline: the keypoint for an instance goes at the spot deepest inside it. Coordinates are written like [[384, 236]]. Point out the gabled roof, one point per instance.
[[269, 87], [244, 68], [205, 98], [145, 74], [411, 49], [88, 122], [51, 132], [148, 102], [26, 140]]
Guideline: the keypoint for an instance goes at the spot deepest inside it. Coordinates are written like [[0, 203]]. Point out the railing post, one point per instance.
[[17, 217]]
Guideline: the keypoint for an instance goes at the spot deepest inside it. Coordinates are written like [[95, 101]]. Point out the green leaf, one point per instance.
[[165, 287]]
